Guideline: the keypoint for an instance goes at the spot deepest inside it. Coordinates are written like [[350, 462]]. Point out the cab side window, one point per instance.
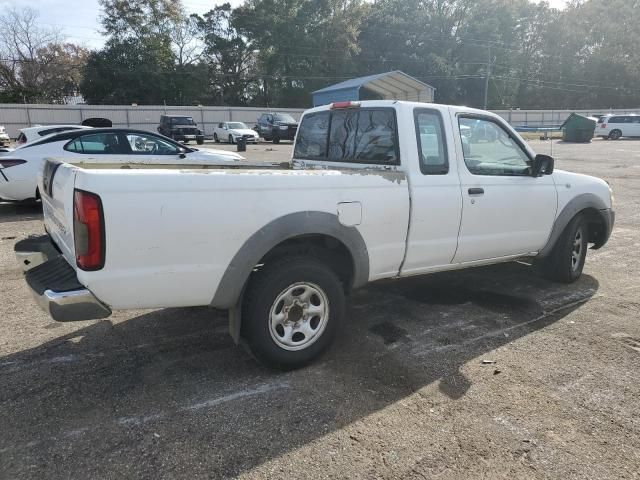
[[431, 142], [489, 149]]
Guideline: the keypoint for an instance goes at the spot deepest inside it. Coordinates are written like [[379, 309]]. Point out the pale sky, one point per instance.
[[78, 19]]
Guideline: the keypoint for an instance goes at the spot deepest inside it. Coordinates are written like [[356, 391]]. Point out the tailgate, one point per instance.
[[56, 186]]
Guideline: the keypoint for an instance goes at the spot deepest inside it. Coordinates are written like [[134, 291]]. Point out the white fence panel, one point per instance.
[[147, 117]]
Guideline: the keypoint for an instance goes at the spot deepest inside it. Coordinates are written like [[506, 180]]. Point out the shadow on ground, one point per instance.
[[169, 392], [19, 212]]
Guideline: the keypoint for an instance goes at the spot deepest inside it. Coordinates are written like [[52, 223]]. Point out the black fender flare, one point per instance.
[[233, 280], [570, 210]]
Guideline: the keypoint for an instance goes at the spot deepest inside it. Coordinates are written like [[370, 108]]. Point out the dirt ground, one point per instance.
[[488, 373]]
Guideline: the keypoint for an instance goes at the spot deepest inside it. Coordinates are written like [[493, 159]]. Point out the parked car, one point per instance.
[[280, 247], [113, 146], [615, 127], [31, 134], [232, 131], [4, 138], [277, 126], [180, 128]]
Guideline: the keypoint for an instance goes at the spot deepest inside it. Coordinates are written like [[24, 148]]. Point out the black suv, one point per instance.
[[277, 126], [181, 128]]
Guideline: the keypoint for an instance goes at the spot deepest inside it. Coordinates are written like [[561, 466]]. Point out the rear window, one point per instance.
[[367, 135], [312, 136]]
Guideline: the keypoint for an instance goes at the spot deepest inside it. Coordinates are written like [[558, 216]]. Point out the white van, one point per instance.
[[615, 127]]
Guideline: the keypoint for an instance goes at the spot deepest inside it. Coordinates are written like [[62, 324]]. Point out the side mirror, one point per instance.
[[542, 165]]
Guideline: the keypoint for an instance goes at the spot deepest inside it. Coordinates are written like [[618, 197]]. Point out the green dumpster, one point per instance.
[[578, 128]]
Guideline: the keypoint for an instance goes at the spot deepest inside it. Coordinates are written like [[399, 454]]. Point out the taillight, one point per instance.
[[88, 230], [603, 125], [335, 105], [10, 163]]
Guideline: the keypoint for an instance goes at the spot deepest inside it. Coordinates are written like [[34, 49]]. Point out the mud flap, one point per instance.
[[235, 322]]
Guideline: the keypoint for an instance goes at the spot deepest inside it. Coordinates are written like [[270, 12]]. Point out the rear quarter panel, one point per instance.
[[171, 234]]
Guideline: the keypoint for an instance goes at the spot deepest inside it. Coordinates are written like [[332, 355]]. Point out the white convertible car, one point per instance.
[[231, 132], [110, 146]]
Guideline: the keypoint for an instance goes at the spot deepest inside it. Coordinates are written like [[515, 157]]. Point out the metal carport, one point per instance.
[[394, 85]]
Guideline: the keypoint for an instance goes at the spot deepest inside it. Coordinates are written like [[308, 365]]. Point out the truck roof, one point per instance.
[[393, 103]]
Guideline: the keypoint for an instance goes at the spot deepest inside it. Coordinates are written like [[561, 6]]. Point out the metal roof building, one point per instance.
[[394, 85]]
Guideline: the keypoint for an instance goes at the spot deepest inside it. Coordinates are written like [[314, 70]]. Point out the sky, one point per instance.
[[78, 19]]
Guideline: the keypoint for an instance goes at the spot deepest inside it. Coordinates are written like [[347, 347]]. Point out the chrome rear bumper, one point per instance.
[[71, 306], [54, 284]]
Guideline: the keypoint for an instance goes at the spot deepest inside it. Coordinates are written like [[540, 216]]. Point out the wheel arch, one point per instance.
[[296, 228], [319, 233], [597, 214]]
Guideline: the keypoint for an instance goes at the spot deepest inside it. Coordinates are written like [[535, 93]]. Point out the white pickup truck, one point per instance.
[[375, 189]]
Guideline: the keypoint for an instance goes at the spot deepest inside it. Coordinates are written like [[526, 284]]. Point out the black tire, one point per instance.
[[262, 299], [215, 138], [231, 139], [615, 134], [566, 261], [200, 141], [276, 140]]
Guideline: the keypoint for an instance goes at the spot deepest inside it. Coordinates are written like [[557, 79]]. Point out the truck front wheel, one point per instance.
[[566, 261], [291, 311]]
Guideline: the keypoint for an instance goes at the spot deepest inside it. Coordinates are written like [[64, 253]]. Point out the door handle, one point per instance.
[[476, 191]]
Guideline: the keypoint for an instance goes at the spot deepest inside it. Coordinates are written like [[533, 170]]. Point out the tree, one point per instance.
[[299, 44], [229, 57], [151, 55], [36, 64], [140, 19]]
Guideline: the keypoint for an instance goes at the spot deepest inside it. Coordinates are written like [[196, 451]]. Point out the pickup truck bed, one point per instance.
[[390, 189]]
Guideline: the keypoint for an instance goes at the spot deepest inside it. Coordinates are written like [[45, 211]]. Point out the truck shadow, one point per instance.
[[167, 391]]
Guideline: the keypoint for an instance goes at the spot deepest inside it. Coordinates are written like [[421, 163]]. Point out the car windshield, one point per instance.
[[237, 125], [182, 121], [284, 117]]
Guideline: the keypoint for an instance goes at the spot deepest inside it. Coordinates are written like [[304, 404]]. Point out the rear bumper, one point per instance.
[[180, 137], [289, 134], [55, 286]]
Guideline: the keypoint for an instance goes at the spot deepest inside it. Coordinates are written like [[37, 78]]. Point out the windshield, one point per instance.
[[182, 121], [237, 125], [284, 117]]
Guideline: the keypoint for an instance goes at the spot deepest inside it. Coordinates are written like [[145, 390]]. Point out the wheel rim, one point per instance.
[[298, 316], [576, 250], [615, 134]]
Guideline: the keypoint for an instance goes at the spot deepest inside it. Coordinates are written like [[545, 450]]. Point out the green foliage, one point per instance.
[[276, 52]]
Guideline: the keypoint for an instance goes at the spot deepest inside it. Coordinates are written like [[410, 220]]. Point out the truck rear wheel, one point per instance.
[[291, 311], [566, 261]]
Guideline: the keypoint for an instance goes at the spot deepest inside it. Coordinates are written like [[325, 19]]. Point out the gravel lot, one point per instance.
[[404, 392]]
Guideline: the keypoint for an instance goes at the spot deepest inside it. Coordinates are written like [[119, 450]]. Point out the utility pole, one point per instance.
[[486, 77]]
